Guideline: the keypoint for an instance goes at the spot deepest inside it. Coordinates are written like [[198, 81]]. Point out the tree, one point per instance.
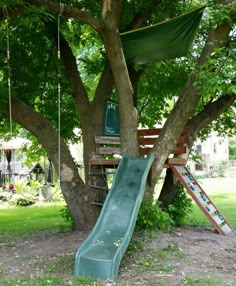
[[106, 21]]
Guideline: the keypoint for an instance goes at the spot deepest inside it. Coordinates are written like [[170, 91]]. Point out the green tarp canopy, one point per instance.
[[165, 40]]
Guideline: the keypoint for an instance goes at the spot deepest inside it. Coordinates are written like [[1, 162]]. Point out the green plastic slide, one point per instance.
[[100, 254]]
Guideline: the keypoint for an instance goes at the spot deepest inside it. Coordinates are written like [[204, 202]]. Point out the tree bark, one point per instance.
[[128, 114]]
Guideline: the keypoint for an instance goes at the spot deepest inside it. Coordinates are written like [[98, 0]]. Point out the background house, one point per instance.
[[213, 155], [11, 158]]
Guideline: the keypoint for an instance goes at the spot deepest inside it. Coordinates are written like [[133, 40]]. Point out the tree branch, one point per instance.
[[210, 112], [105, 85], [142, 15], [187, 101], [55, 8], [112, 10], [40, 127], [18, 10], [72, 74]]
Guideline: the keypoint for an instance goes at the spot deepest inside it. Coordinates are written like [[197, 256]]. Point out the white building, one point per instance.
[[11, 158], [213, 153]]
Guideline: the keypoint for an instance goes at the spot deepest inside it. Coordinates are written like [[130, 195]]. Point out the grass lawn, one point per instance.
[[25, 220], [17, 221], [222, 192]]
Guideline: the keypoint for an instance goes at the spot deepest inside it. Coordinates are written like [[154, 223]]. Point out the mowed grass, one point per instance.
[[222, 192], [18, 221]]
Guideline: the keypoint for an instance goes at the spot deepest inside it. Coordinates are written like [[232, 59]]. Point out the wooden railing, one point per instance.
[[108, 150]]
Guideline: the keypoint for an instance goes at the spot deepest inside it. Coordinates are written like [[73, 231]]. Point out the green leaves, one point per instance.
[[159, 84], [217, 75], [152, 217], [181, 207], [10, 2], [219, 13]]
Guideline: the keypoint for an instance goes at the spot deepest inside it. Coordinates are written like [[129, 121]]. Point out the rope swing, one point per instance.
[[59, 89], [8, 152], [9, 69]]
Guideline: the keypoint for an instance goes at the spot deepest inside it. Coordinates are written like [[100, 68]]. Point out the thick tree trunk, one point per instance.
[[128, 113], [73, 188], [169, 189], [91, 114]]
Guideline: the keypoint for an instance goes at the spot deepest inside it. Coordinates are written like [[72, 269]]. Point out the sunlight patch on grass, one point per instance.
[[225, 201], [24, 220]]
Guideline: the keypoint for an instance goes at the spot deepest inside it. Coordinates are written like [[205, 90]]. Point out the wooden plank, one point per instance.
[[104, 162], [142, 141], [101, 173], [113, 163], [155, 131], [98, 188], [142, 150], [146, 140], [97, 204], [107, 140], [108, 150], [176, 161], [183, 139], [146, 132], [179, 150]]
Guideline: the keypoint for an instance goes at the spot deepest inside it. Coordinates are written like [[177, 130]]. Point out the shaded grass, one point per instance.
[[145, 258], [208, 280], [57, 265], [48, 281], [19, 221]]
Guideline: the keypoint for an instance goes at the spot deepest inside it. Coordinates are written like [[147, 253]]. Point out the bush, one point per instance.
[[181, 207], [222, 166], [66, 215], [151, 217], [24, 202]]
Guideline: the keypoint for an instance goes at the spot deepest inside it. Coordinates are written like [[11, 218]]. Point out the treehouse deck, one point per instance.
[[108, 149], [108, 156]]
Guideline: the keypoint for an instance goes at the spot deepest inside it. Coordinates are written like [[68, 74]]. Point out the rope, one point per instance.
[[59, 89], [9, 70], [5, 12]]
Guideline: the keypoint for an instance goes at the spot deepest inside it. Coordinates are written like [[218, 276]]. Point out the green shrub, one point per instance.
[[222, 167], [181, 207], [151, 217], [24, 202], [67, 217]]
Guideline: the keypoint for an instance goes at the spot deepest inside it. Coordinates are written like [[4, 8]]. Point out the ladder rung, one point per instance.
[[97, 204], [99, 188], [102, 173]]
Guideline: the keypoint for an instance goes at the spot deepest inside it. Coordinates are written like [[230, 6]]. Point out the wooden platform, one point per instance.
[[108, 149], [107, 156]]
